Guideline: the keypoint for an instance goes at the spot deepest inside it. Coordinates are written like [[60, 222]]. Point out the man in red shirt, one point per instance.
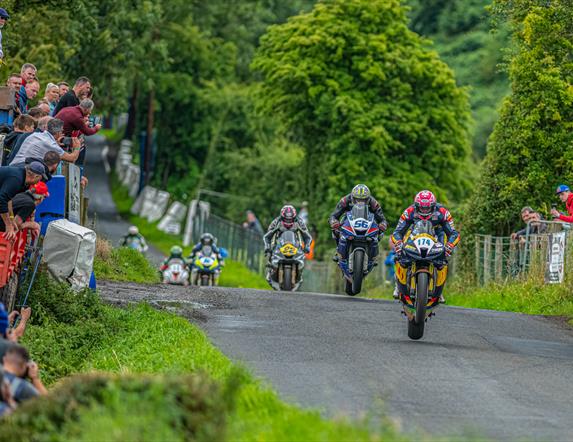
[[74, 118], [565, 195]]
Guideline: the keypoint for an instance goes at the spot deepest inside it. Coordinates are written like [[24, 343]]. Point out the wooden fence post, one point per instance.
[[477, 258], [498, 258]]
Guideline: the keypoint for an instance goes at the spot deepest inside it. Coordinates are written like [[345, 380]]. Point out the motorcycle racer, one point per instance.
[[176, 252], [133, 235], [206, 239], [360, 194], [287, 220], [425, 208]]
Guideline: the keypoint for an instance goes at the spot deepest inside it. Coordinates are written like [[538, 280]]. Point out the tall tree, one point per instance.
[[368, 101], [531, 148]]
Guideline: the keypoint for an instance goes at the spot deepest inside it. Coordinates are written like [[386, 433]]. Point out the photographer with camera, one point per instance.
[[565, 195], [18, 368], [39, 143]]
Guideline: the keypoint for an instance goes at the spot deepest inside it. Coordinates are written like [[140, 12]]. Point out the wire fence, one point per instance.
[[502, 258], [246, 247]]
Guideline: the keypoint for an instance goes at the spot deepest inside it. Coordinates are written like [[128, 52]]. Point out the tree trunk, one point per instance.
[[132, 114], [149, 139]]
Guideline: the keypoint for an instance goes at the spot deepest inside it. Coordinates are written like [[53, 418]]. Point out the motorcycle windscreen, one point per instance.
[[288, 237], [423, 226], [206, 251], [360, 210]]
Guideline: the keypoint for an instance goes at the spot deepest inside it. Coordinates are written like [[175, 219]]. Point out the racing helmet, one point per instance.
[[176, 251], [360, 193], [207, 239], [288, 215], [133, 230], [425, 204]]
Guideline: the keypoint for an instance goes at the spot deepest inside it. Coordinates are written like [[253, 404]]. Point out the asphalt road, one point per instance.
[[101, 205], [498, 375]]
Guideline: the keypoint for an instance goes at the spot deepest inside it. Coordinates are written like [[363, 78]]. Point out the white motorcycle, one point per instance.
[[176, 273]]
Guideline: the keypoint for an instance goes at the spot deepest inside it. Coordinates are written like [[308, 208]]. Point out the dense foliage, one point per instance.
[[531, 149], [463, 36], [367, 101]]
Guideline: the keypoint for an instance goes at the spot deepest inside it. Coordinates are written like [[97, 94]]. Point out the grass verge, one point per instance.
[[123, 264], [150, 394], [234, 274]]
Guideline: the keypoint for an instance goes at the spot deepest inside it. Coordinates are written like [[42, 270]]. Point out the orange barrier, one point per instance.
[[11, 254]]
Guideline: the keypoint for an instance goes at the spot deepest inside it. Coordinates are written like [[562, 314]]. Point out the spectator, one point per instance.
[[3, 19], [50, 161], [17, 368], [43, 123], [37, 112], [45, 106], [37, 144], [28, 73], [14, 82], [71, 97], [253, 223], [26, 93], [389, 263], [14, 180], [86, 93], [23, 206], [6, 337], [52, 96], [74, 119], [565, 195], [528, 215], [17, 332], [63, 88], [22, 125], [7, 402]]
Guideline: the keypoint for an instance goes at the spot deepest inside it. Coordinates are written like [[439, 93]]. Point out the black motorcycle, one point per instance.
[[287, 263]]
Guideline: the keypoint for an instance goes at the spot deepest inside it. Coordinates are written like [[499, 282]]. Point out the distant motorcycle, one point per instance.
[[424, 253], [176, 273], [360, 230], [287, 262], [207, 265], [136, 244]]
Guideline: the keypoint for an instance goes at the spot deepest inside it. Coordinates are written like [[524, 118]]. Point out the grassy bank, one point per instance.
[[234, 274], [163, 380]]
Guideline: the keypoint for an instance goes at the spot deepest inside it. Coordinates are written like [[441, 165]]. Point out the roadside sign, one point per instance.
[[555, 258]]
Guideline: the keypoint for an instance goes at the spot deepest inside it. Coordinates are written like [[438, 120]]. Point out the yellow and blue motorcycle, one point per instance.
[[205, 268], [421, 275]]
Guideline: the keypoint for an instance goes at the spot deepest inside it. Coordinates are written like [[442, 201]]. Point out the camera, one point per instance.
[[554, 206], [67, 142]]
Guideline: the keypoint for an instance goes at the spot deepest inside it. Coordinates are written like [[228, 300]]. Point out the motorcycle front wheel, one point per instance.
[[287, 278], [416, 326], [357, 271], [205, 280]]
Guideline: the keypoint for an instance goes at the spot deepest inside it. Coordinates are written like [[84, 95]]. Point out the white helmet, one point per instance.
[[133, 230]]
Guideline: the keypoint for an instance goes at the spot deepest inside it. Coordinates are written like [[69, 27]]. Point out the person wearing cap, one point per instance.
[[3, 19], [14, 180], [23, 206], [39, 143], [565, 195]]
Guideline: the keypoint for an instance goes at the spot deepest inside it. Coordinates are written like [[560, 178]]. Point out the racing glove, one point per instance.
[[398, 247], [335, 224], [449, 249]]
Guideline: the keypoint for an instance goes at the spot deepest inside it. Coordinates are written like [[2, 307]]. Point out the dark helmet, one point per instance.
[[360, 193], [288, 215], [207, 239], [425, 203]]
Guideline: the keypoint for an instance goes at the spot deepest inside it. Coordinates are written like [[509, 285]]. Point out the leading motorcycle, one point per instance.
[[360, 232], [424, 271], [287, 262]]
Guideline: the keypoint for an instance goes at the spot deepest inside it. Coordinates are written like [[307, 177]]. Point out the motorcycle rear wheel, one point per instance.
[[416, 326], [357, 271]]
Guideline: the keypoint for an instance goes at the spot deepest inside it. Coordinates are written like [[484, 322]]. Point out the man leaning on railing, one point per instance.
[[565, 195], [533, 220]]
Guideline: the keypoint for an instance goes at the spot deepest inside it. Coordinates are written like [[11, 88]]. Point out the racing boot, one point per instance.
[[396, 294]]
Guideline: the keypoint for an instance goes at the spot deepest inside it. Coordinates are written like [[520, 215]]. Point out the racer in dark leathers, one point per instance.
[[206, 239], [287, 220], [360, 194], [425, 207]]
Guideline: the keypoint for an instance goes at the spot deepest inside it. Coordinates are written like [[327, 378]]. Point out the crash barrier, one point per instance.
[[12, 254], [501, 258]]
